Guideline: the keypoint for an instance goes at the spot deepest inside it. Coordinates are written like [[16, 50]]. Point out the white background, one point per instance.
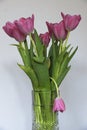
[[15, 87]]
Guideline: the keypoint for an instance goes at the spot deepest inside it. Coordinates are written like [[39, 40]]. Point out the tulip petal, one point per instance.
[[58, 105]]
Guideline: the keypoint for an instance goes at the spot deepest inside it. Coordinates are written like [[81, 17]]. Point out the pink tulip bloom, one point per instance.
[[13, 31], [50, 28], [25, 25], [71, 22], [59, 31], [58, 105], [8, 28], [45, 38]]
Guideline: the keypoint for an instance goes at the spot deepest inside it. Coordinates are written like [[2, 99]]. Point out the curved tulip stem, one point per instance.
[[55, 85]]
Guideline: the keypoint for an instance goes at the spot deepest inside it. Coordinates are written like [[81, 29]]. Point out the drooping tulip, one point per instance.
[[45, 38], [12, 30], [59, 30], [59, 105], [25, 25], [71, 22]]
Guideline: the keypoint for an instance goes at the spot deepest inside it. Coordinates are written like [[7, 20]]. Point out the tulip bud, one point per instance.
[[45, 38], [58, 105]]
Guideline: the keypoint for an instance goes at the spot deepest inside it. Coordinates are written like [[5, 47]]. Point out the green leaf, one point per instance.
[[73, 53], [31, 74], [24, 55], [61, 64], [42, 73], [67, 59], [39, 59], [62, 76], [58, 63], [17, 45], [39, 48], [53, 54]]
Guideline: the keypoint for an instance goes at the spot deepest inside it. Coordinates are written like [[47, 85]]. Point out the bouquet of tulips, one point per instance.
[[45, 56]]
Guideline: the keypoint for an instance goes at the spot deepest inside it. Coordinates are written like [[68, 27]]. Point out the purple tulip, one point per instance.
[[58, 105], [45, 38], [71, 22], [50, 28], [59, 31], [13, 31], [25, 25]]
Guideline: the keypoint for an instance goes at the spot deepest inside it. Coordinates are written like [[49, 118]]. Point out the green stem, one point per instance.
[[27, 53], [45, 118], [66, 41], [22, 53], [57, 88], [34, 46], [60, 46]]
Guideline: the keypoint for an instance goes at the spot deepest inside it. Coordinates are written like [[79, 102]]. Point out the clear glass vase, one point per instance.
[[42, 110]]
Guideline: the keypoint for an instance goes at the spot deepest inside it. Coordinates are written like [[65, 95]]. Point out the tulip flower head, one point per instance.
[[25, 25], [71, 22], [58, 105], [45, 38], [59, 30], [50, 28], [12, 30]]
